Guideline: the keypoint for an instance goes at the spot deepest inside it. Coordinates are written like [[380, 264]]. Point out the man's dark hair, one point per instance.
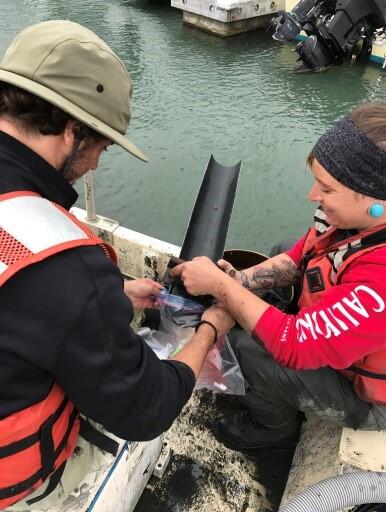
[[36, 115]]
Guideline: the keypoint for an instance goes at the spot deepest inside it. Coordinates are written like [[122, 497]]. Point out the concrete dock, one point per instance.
[[226, 18]]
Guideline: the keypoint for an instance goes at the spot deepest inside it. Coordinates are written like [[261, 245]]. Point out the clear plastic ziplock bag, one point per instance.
[[221, 371]]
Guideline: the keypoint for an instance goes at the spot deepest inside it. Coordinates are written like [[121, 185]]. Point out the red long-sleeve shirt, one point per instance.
[[348, 323]]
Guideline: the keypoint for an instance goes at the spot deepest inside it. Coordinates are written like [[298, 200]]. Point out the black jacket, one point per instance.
[[66, 319]]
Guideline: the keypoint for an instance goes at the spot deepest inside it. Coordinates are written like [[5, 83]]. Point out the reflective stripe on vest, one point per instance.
[[368, 374], [32, 229], [36, 442]]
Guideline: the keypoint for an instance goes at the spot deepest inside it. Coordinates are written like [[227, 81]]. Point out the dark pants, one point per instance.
[[275, 394]]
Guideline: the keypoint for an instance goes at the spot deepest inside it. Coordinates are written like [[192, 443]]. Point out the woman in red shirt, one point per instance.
[[329, 358]]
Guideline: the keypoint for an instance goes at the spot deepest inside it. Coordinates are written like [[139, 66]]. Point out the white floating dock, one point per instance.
[[226, 18]]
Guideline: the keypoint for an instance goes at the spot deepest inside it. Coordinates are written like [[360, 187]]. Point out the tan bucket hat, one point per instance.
[[72, 68]]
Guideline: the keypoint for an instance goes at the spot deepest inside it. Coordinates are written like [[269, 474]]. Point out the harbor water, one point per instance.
[[197, 95]]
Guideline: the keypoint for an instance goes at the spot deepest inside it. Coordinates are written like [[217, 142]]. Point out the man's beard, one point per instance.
[[67, 167]]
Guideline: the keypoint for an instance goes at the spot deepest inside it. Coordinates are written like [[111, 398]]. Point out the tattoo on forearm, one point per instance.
[[285, 274], [244, 279], [282, 274]]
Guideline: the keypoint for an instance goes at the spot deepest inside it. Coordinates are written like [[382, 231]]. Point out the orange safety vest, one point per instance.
[[36, 442], [318, 275]]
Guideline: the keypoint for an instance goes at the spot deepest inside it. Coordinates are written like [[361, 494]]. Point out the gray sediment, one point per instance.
[[203, 475]]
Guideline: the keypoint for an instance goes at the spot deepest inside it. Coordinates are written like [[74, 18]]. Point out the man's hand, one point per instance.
[[200, 276], [193, 354], [142, 292], [220, 317]]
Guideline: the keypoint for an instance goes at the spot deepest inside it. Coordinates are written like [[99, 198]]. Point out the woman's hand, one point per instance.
[[229, 269], [142, 292], [199, 276]]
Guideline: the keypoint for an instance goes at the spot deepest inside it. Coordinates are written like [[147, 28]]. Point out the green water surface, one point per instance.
[[194, 95]]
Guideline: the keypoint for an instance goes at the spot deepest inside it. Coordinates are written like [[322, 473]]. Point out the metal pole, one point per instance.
[[89, 194]]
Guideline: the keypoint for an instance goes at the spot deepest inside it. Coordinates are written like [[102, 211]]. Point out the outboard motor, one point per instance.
[[336, 30], [289, 24]]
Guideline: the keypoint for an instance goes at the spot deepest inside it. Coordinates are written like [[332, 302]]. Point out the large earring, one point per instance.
[[376, 210]]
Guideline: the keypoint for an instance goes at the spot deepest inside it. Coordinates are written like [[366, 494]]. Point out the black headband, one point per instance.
[[353, 159]]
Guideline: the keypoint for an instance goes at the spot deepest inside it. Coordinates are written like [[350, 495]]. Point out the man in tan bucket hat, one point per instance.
[[65, 342]]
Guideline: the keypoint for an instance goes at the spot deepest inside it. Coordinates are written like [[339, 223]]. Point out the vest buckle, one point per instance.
[[315, 279]]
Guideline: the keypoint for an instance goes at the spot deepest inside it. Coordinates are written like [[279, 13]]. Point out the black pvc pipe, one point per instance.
[[208, 227]]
